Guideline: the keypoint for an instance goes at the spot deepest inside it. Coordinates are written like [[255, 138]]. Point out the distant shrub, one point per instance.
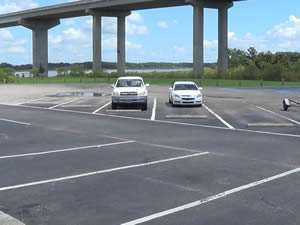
[[77, 70], [273, 72], [251, 72], [7, 75]]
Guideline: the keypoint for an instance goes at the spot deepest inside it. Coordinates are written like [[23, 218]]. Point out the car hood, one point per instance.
[[129, 89], [187, 92]]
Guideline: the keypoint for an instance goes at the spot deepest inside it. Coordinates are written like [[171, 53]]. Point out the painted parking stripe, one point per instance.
[[6, 219], [64, 150], [219, 117], [100, 172], [32, 101], [123, 110], [16, 122], [102, 107], [154, 109], [158, 121], [270, 124], [209, 199], [64, 103], [277, 114]]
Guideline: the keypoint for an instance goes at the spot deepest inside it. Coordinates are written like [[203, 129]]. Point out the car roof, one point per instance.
[[184, 82], [131, 77]]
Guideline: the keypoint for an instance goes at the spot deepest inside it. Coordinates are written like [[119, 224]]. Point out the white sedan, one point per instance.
[[185, 93]]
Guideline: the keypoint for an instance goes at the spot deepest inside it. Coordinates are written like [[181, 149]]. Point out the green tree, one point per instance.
[[77, 70], [62, 71], [34, 72], [41, 70], [237, 57], [7, 75]]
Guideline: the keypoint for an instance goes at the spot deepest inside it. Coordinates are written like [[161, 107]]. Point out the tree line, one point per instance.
[[107, 65], [254, 65]]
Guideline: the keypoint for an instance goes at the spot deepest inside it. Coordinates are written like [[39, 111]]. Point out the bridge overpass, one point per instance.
[[40, 20]]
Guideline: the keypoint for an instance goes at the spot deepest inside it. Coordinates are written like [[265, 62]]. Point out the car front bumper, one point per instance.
[[179, 101], [129, 99]]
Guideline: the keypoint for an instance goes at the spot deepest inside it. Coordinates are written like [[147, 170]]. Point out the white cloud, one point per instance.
[[133, 26], [211, 44], [163, 24], [134, 29], [8, 6], [178, 49], [69, 22], [9, 44], [77, 42], [74, 34], [288, 30], [135, 18]]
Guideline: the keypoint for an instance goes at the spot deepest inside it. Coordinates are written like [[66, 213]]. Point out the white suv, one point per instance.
[[130, 90]]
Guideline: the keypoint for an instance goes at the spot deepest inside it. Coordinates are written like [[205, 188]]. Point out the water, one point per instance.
[[53, 73]]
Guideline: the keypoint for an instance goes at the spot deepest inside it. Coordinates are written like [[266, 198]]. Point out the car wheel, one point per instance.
[[200, 105], [113, 106], [170, 101]]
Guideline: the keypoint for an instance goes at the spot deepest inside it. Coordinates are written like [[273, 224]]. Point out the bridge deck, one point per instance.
[[79, 8]]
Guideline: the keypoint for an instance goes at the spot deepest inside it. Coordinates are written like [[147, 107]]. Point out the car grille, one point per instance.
[[188, 99], [129, 93]]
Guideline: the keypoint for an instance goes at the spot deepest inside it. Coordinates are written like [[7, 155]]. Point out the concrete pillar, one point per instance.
[[198, 33], [40, 49], [39, 41], [223, 38], [97, 48], [121, 44]]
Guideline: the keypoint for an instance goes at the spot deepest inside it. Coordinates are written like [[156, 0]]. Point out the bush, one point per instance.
[[236, 73], [62, 71], [7, 75], [251, 72], [99, 74], [77, 70], [273, 72]]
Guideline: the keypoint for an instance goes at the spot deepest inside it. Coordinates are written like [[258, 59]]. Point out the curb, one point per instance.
[[8, 220]]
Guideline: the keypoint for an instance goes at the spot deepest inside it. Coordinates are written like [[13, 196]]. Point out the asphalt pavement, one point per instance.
[[72, 160]]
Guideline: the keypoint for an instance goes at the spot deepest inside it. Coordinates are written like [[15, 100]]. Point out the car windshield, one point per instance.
[[130, 83], [181, 87]]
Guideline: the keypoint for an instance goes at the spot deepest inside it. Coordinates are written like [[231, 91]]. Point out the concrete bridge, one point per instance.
[[40, 20]]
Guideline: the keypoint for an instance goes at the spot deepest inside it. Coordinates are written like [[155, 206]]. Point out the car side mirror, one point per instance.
[[170, 89], [112, 86], [147, 85], [200, 88]]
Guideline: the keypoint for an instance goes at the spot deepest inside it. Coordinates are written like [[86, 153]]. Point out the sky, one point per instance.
[[158, 35]]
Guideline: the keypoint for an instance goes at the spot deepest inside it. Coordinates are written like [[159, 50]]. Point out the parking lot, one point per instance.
[[68, 158]]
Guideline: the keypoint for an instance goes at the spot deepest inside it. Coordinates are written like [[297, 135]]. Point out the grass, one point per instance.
[[153, 81]]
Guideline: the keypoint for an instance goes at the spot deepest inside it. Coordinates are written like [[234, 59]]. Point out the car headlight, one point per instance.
[[177, 96], [199, 96], [143, 93], [115, 93]]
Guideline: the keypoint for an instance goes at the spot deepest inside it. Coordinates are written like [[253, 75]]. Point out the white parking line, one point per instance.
[[64, 150], [102, 107], [157, 121], [124, 110], [219, 117], [209, 199], [6, 219], [64, 103], [13, 121], [154, 109], [35, 100], [277, 114], [100, 172]]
